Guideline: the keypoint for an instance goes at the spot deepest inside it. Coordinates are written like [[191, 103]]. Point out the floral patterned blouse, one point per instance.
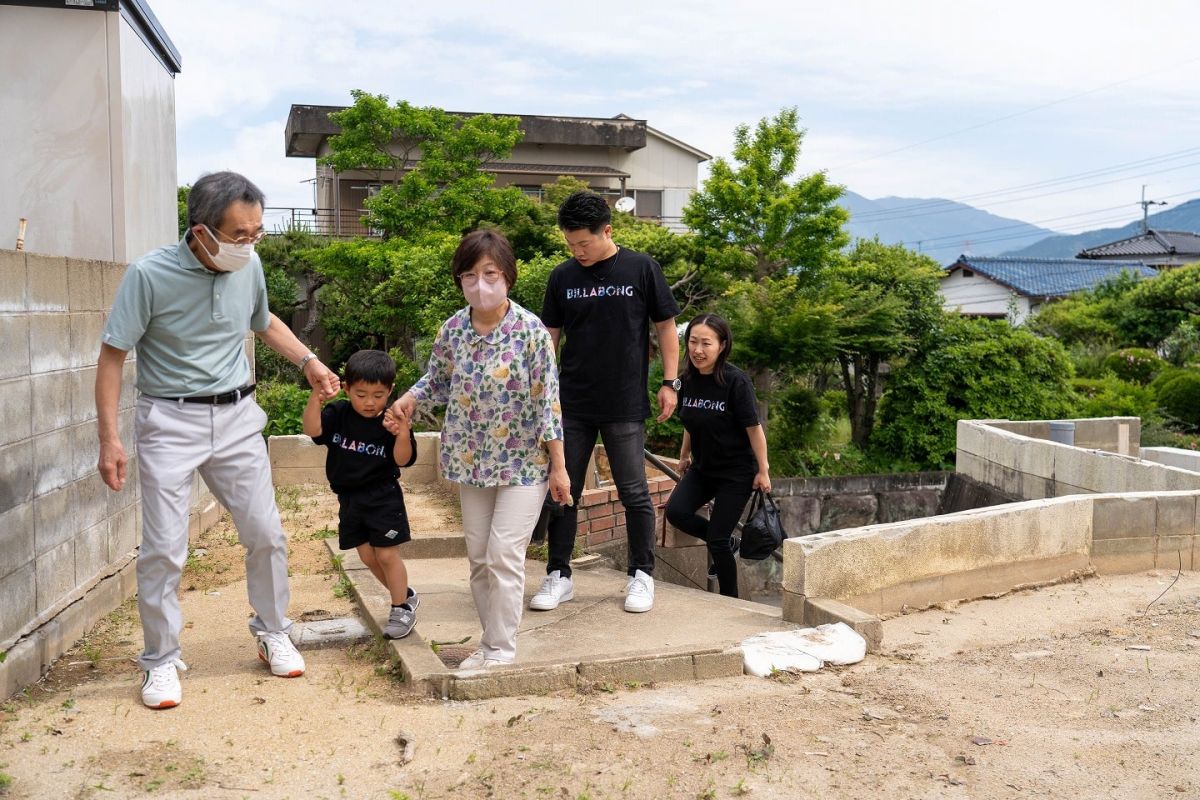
[[501, 397]]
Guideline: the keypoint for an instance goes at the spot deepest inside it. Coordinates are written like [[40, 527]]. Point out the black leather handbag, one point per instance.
[[762, 532]]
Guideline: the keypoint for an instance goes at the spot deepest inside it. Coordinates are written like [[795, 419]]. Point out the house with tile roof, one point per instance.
[[1152, 247], [1010, 286], [616, 156]]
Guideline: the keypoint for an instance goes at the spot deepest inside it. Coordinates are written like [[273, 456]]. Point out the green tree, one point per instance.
[[753, 204], [970, 369], [181, 201], [434, 162], [889, 303], [771, 237]]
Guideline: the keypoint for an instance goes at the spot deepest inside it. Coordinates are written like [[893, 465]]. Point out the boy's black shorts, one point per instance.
[[374, 516]]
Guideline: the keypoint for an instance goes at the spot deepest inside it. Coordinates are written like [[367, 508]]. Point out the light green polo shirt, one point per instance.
[[187, 322]]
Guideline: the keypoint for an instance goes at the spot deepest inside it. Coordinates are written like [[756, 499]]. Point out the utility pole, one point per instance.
[[1146, 209]]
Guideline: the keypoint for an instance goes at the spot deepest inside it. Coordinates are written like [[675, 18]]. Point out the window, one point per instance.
[[968, 273], [649, 203]]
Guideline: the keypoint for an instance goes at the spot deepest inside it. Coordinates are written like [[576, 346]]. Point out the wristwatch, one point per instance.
[[674, 383], [304, 361]]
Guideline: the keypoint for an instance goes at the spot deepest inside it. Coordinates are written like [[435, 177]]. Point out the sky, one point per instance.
[[1051, 112]]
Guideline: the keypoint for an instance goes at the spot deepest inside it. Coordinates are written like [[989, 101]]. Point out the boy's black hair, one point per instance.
[[584, 210], [371, 366]]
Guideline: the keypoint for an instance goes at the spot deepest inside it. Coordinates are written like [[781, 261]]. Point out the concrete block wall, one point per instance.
[[67, 542], [881, 569], [1115, 434], [1173, 457], [297, 460], [1000, 455], [1144, 530]]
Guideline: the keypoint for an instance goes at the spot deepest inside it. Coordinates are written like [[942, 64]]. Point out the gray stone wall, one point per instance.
[[67, 542], [813, 505]]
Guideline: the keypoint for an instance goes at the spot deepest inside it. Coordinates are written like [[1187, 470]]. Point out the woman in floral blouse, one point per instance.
[[493, 367]]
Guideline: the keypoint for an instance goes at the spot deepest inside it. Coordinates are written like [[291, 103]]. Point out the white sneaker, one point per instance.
[[639, 594], [277, 651], [555, 589], [479, 660], [160, 686]]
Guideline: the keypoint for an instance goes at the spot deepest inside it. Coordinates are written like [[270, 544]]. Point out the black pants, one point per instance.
[[624, 444], [729, 501]]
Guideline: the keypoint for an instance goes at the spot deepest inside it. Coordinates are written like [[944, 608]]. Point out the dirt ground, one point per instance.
[[1073, 691]]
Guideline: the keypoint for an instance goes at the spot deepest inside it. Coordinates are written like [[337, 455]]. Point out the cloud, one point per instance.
[[1018, 92]]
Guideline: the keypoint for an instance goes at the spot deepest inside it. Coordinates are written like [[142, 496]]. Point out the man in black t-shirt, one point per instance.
[[600, 304]]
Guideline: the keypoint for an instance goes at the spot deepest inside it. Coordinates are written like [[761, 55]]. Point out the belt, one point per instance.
[[215, 399]]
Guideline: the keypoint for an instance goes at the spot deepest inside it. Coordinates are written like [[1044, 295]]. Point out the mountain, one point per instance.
[[1185, 217], [942, 229]]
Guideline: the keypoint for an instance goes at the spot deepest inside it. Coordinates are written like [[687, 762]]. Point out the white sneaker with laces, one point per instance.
[[277, 651], [479, 660], [160, 685], [555, 589], [639, 594]]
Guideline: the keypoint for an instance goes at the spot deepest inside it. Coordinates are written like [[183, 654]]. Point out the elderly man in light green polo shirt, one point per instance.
[[186, 308]]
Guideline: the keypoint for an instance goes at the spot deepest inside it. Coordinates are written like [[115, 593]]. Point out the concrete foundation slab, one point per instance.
[[689, 635]]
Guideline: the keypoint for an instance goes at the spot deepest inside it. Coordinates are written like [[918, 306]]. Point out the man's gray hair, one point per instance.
[[215, 192]]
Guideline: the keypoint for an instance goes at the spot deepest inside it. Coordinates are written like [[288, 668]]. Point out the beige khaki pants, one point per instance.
[[497, 524], [225, 444]]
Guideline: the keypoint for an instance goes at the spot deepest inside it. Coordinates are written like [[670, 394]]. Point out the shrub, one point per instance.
[[1089, 359], [1166, 376], [284, 404], [970, 369], [270, 367], [1182, 347], [1112, 397], [1180, 398], [1134, 364]]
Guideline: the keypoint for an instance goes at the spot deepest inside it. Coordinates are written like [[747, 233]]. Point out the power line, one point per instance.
[[1040, 194], [1084, 225], [1015, 114], [1154, 160]]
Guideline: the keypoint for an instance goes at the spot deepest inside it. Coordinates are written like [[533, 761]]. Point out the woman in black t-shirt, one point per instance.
[[724, 452]]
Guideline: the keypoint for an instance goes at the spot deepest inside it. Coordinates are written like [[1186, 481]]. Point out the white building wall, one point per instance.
[[981, 296], [88, 148], [146, 140], [55, 165], [658, 165]]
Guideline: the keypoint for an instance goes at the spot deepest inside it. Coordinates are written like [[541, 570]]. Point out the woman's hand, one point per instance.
[[762, 480], [560, 486], [684, 463]]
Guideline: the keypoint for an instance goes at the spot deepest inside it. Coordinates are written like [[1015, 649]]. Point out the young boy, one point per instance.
[[362, 466]]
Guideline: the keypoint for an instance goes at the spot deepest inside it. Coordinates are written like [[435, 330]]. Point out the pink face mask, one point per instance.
[[484, 296]]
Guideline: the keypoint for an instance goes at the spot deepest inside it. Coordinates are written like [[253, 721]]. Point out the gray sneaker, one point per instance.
[[412, 600], [400, 622]]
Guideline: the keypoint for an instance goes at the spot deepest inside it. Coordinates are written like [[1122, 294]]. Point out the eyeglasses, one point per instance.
[[243, 240], [472, 278]]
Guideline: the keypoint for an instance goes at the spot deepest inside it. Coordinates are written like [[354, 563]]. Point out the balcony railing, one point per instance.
[[318, 221]]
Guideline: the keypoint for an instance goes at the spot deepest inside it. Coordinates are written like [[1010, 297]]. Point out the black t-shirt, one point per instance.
[[717, 417], [360, 449], [604, 312]]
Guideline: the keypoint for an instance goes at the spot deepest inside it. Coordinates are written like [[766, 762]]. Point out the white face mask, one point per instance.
[[229, 257], [484, 296]]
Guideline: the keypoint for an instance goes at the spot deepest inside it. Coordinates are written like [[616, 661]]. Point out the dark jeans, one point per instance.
[[729, 501], [624, 443]]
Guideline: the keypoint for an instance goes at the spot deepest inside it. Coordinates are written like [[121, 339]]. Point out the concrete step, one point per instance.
[[589, 641]]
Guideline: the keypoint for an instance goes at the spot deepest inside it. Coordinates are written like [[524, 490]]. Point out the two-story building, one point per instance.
[[617, 157]]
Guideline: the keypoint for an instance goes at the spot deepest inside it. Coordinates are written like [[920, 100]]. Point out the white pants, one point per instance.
[[497, 524], [225, 444]]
